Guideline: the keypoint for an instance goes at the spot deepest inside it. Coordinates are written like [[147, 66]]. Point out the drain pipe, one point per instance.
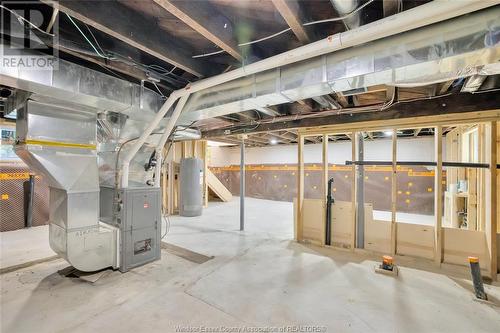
[[328, 223], [166, 134], [417, 17]]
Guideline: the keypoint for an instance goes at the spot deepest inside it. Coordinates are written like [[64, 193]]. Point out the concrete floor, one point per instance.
[[257, 278]]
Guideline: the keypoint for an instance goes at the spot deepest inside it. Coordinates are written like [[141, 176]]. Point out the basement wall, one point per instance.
[[415, 149], [272, 173]]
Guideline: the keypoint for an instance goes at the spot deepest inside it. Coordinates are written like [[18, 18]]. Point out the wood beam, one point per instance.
[[55, 12], [128, 26], [491, 199], [408, 112], [325, 186], [444, 87], [198, 15], [290, 10], [279, 137]]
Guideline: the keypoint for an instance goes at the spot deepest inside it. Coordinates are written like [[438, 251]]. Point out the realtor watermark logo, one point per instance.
[[28, 35]]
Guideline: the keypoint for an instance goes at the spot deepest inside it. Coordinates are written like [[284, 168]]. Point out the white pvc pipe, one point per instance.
[[147, 132], [163, 140], [426, 14]]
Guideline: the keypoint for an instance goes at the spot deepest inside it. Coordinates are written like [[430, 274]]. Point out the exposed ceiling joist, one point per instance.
[[269, 112], [199, 16], [290, 11], [445, 86], [449, 104], [279, 137], [129, 27]]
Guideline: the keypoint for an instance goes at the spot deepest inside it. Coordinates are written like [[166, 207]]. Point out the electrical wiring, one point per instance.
[[208, 54], [19, 17], [154, 83], [119, 151], [112, 56], [265, 38], [167, 225], [88, 40], [166, 75], [95, 39], [334, 19]]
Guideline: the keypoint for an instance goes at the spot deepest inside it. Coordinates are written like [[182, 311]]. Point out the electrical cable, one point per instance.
[[208, 54], [177, 78], [19, 17], [334, 19], [84, 36], [154, 83], [119, 151], [95, 39]]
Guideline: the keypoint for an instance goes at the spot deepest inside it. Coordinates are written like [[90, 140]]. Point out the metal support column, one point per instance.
[[242, 186], [360, 196]]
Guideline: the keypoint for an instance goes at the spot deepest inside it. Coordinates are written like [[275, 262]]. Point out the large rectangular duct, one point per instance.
[[444, 51], [60, 144]]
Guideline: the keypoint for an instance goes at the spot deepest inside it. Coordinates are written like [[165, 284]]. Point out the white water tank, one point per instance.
[[191, 183]]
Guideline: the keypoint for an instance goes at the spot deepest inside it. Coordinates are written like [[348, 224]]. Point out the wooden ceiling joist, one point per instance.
[[290, 11], [127, 26], [448, 105], [199, 15]]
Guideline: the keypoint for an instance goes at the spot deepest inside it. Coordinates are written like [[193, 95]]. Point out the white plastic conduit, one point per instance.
[[433, 12]]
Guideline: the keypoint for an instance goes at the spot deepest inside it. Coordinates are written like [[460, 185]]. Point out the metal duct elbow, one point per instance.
[[344, 7]]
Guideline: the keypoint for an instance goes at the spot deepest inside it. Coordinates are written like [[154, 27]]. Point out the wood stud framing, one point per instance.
[[491, 200], [353, 137]]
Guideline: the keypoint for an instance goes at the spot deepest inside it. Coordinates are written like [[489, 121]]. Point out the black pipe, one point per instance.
[[477, 279], [29, 190], [419, 163], [329, 201]]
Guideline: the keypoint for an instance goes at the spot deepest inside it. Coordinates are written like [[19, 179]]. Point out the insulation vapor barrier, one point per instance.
[[279, 182], [444, 51]]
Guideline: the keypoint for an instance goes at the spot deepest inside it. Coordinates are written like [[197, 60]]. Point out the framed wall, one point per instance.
[[436, 242]]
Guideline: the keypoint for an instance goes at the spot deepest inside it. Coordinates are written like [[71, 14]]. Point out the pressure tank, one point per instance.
[[191, 181]]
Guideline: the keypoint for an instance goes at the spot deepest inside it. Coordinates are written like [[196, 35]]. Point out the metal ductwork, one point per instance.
[[344, 7], [82, 86], [60, 144], [459, 47]]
